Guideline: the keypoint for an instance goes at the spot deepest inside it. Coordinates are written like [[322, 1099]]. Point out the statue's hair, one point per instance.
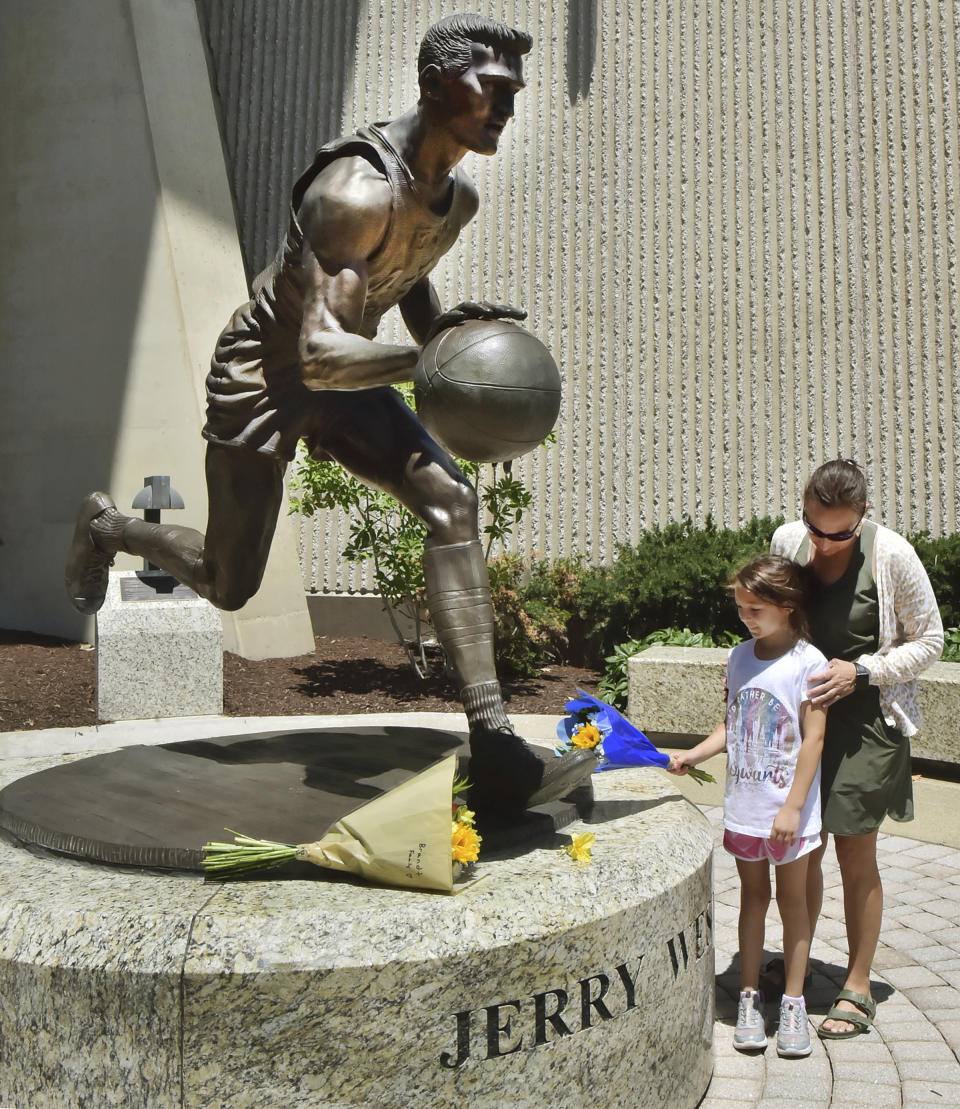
[[778, 581], [838, 484], [448, 42]]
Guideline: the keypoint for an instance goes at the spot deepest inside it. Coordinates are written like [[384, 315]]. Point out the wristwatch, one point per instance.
[[863, 676]]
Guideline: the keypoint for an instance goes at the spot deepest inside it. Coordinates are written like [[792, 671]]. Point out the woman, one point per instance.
[[873, 614]]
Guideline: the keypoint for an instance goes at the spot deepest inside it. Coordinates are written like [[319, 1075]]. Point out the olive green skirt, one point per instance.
[[865, 770]]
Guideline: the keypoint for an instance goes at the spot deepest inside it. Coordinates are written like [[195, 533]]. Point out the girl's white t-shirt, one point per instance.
[[764, 738]]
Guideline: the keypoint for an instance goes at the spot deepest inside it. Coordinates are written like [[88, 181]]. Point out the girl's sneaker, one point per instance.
[[751, 1031], [793, 1035]]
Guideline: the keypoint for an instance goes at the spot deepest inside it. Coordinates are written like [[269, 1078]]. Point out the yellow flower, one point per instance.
[[463, 815], [587, 736], [466, 844], [579, 847]]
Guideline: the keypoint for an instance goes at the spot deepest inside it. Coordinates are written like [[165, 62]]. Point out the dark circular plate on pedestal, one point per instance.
[[156, 806]]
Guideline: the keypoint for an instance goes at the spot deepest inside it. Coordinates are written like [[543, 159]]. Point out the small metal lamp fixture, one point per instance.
[[156, 495]]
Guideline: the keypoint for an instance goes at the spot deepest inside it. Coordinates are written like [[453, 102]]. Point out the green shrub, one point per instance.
[[532, 609], [941, 560], [673, 577], [951, 645], [519, 638]]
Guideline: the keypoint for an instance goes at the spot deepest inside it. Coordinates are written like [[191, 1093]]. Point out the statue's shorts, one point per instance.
[[256, 400]]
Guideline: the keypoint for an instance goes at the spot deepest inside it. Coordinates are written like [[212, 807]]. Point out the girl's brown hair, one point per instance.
[[836, 484], [778, 581]]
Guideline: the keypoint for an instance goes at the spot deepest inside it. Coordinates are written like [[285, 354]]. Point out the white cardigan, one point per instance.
[[911, 631]]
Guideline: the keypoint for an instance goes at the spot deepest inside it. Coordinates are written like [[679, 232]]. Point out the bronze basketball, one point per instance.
[[487, 390]]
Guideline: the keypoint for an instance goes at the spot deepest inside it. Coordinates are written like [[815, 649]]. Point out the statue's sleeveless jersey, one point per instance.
[[255, 395]]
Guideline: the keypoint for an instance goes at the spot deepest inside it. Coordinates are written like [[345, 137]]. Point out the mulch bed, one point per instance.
[[49, 683]]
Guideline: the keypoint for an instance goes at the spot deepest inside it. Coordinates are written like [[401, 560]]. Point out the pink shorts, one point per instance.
[[754, 849]]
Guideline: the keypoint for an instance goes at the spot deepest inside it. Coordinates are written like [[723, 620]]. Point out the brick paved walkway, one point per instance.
[[911, 1056]]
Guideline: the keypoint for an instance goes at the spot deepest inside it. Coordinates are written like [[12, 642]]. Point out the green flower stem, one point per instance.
[[701, 776], [224, 860]]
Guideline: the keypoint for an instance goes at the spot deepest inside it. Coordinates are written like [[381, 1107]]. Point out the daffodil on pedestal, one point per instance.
[[580, 846]]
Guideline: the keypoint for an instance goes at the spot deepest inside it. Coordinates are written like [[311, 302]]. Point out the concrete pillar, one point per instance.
[[121, 266]]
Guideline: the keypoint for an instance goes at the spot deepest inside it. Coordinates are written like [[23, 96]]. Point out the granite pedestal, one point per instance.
[[546, 983], [158, 654]]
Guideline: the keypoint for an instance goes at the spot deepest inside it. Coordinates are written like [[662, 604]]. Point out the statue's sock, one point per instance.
[[458, 596], [483, 704]]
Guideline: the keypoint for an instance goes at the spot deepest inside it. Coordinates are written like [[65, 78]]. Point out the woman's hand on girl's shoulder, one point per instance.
[[838, 680]]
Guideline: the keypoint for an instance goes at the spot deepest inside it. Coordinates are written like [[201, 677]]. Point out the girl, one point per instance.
[[773, 735]]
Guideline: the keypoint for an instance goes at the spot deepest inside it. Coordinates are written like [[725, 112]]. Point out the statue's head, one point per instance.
[[470, 70]]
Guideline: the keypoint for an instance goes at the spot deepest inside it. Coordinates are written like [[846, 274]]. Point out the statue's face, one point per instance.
[[477, 104]]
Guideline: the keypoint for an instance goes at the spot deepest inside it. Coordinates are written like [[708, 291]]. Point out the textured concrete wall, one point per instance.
[[736, 224]]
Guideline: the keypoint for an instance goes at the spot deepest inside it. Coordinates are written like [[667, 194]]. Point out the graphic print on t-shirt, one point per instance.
[[760, 738]]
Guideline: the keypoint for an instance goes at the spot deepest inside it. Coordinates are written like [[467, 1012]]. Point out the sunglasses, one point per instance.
[[833, 536]]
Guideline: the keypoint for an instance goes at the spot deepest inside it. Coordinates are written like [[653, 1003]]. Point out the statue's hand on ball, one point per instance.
[[486, 388], [473, 310]]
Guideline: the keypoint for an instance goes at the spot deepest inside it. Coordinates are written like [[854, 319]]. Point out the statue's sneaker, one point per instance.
[[750, 1033], [88, 568], [508, 773]]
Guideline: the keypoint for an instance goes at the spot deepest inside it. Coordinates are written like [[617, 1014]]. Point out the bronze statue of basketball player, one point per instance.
[[369, 220]]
